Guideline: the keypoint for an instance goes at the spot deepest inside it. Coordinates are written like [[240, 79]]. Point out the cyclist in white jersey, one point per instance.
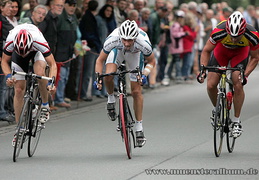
[[24, 43], [131, 44]]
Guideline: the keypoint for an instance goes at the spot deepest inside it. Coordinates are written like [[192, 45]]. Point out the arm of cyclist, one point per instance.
[[10, 81], [151, 63], [52, 73], [253, 61], [205, 57], [99, 68]]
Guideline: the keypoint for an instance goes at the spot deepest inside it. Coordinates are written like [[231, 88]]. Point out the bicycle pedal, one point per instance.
[[42, 126]]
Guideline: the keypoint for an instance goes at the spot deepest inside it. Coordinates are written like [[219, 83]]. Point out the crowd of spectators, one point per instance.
[[76, 35]]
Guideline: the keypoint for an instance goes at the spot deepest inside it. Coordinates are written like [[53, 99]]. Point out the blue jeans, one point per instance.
[[88, 72], [162, 63], [187, 64], [175, 61], [60, 94], [3, 88]]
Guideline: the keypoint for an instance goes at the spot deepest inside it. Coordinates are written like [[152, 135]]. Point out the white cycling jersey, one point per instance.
[[39, 42], [141, 44], [133, 57]]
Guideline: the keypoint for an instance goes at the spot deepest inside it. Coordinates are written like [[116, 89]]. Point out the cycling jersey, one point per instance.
[[141, 44], [249, 38], [39, 42], [133, 57], [226, 51]]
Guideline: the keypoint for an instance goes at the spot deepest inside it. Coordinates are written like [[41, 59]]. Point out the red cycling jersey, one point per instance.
[[226, 50]]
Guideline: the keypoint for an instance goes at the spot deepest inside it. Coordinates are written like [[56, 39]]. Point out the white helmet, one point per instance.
[[236, 24], [128, 30]]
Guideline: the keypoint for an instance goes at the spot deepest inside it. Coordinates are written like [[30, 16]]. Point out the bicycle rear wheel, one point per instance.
[[219, 125], [124, 122], [35, 126], [22, 129], [230, 138]]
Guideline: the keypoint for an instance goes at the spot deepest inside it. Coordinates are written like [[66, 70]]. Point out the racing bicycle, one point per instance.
[[29, 128], [125, 118], [223, 111]]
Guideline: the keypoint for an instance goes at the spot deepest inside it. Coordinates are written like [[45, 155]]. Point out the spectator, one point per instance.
[[209, 24], [139, 5], [119, 12], [144, 22], [5, 28], [14, 12], [176, 47], [90, 34], [84, 7], [133, 15], [66, 28], [49, 25], [188, 43], [105, 15], [37, 16], [49, 29], [164, 42], [156, 18], [28, 13]]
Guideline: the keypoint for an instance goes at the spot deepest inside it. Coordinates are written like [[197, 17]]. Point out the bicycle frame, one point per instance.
[[125, 118], [31, 128], [221, 116]]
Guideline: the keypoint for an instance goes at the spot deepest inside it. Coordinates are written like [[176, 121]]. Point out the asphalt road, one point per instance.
[[83, 143]]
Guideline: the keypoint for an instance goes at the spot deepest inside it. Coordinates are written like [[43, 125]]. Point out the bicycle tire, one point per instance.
[[219, 125], [230, 139], [34, 125], [22, 124], [124, 129]]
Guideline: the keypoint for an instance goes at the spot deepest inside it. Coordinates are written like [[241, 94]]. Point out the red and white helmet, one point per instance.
[[236, 24], [23, 42]]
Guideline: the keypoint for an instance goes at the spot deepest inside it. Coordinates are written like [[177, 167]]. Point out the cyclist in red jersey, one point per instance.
[[232, 42]]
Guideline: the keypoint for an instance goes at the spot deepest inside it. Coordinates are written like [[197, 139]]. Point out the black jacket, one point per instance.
[[67, 36]]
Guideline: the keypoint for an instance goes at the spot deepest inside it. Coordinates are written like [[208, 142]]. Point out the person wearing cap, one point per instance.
[[232, 43], [66, 28]]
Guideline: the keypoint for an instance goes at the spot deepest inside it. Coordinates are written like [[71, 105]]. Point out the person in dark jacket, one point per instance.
[[5, 27], [66, 29], [49, 25], [90, 34]]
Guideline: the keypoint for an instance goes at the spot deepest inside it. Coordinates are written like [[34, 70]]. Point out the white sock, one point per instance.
[[235, 119], [45, 105], [111, 98], [138, 126]]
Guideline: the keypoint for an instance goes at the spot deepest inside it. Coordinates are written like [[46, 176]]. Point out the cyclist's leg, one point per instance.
[[19, 88], [111, 66], [136, 91], [241, 57], [213, 76], [39, 69]]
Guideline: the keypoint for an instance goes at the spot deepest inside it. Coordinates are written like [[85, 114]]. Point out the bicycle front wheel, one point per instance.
[[22, 129], [124, 121], [35, 126], [219, 125]]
